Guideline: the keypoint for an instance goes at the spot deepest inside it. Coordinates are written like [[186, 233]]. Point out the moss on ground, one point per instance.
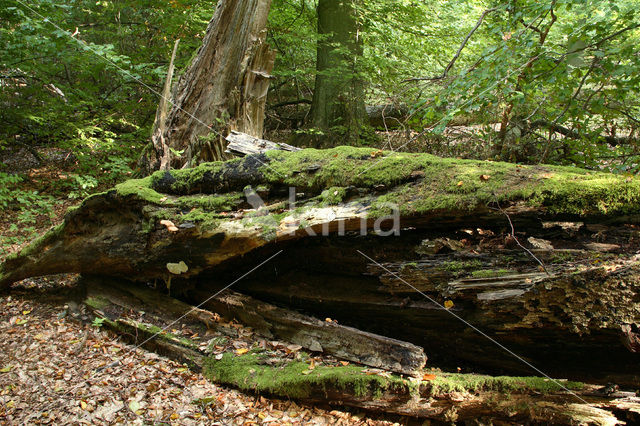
[[294, 379]]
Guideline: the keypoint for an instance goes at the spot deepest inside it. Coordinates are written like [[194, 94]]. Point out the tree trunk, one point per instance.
[[224, 88], [338, 98]]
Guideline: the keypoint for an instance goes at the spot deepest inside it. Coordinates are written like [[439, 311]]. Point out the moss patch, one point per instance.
[[417, 183], [452, 382], [141, 189], [490, 273], [251, 372]]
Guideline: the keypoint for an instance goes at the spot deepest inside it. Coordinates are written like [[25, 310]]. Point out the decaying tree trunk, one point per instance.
[[151, 319], [198, 230], [223, 89]]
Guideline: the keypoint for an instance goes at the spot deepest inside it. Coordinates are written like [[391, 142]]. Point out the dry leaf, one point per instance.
[[448, 304], [242, 351], [177, 268], [427, 377], [485, 178]]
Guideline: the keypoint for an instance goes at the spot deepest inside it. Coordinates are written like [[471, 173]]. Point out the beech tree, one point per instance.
[[338, 98]]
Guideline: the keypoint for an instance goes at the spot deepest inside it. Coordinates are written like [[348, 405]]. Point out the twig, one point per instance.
[[513, 235]]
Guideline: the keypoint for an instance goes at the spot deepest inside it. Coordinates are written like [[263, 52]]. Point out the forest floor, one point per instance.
[[51, 358]]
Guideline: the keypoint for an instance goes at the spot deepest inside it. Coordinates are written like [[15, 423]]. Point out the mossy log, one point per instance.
[[198, 229], [141, 315]]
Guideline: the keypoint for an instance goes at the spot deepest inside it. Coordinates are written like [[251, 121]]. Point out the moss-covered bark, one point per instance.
[[119, 232]]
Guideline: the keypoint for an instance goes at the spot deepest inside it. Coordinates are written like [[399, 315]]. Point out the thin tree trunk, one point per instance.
[[338, 98], [223, 89]]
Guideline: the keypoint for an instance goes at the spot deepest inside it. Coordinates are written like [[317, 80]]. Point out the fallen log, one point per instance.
[[269, 321], [157, 322], [455, 245], [321, 336]]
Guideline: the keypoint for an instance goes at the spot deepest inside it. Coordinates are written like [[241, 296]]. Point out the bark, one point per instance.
[[508, 399], [243, 144], [320, 336], [197, 230], [223, 89], [338, 97]]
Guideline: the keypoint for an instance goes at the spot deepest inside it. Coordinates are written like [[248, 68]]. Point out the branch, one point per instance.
[[611, 140], [457, 55], [287, 103]]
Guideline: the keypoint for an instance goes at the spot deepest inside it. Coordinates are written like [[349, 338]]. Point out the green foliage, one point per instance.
[[97, 322], [27, 207]]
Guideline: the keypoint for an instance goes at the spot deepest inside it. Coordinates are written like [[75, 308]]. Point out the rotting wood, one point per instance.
[[445, 397], [581, 316], [316, 335], [224, 88], [243, 144]]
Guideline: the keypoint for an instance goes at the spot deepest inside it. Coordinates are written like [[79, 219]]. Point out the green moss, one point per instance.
[[156, 331], [215, 203], [417, 183], [452, 382], [141, 189], [186, 179], [250, 372], [490, 273], [332, 196], [39, 243], [97, 302]]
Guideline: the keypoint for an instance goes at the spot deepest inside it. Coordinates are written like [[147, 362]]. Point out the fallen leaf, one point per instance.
[[448, 304], [177, 268], [485, 178], [83, 405], [460, 183], [428, 377], [134, 406], [6, 369], [344, 363], [242, 351]]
